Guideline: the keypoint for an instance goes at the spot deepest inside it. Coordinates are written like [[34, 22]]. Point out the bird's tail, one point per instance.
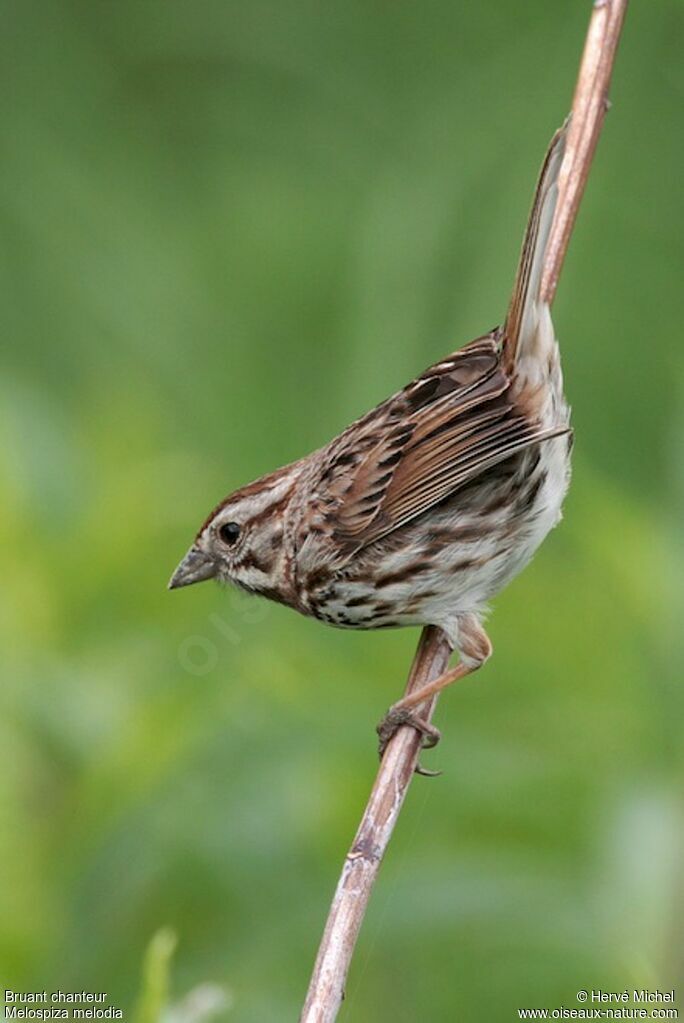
[[521, 331]]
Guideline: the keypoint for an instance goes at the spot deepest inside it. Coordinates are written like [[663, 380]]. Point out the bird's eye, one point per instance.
[[229, 532]]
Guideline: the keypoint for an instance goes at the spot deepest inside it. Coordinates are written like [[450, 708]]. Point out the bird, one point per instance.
[[422, 510]]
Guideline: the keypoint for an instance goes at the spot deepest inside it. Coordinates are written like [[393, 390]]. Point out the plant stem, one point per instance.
[[589, 106], [362, 864]]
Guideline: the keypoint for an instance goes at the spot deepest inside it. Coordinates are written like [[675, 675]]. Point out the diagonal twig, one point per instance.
[[361, 866], [362, 863], [589, 105]]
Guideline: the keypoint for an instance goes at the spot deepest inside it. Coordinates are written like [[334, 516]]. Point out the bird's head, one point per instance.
[[242, 540]]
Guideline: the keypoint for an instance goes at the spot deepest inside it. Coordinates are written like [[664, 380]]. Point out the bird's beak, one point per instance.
[[195, 567]]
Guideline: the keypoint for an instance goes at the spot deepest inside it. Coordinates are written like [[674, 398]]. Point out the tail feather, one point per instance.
[[522, 319]]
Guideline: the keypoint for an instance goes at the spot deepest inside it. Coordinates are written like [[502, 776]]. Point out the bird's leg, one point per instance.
[[474, 648], [404, 712]]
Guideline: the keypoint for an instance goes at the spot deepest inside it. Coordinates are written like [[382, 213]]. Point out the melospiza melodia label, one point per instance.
[[423, 509]]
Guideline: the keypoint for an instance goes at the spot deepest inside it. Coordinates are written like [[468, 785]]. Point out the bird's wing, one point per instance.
[[445, 428]]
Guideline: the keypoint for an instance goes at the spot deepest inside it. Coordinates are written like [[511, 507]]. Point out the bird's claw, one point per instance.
[[398, 716]]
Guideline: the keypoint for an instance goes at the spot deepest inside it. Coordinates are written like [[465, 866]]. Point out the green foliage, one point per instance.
[[228, 230], [156, 969]]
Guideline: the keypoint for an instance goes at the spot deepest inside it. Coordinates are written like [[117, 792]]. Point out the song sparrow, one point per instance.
[[423, 509]]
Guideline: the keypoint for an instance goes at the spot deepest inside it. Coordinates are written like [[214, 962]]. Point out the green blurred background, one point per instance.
[[228, 229]]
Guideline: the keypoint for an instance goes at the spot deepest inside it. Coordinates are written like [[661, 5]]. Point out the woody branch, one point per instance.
[[362, 863]]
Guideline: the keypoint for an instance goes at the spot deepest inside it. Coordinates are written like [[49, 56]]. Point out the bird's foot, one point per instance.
[[394, 719]]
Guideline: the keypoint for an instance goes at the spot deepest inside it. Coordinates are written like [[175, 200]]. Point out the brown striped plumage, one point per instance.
[[423, 509]]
